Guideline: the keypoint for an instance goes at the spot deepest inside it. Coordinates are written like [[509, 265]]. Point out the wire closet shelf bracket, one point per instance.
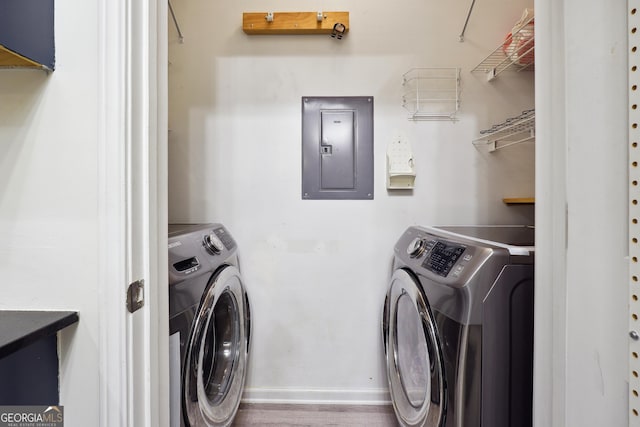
[[515, 53], [512, 131], [431, 93]]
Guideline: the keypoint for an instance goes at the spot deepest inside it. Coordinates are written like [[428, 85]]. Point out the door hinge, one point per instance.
[[135, 295]]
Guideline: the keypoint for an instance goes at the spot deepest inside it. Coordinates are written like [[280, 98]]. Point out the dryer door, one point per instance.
[[216, 356], [415, 367]]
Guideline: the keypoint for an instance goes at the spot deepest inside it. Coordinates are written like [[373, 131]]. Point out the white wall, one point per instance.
[[317, 270], [48, 199]]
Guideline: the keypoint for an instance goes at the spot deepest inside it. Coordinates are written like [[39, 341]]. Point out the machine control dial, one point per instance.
[[417, 247], [213, 244]]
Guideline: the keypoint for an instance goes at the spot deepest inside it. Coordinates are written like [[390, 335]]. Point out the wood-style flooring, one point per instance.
[[287, 415]]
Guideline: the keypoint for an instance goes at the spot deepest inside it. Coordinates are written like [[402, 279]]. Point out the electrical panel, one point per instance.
[[337, 147]]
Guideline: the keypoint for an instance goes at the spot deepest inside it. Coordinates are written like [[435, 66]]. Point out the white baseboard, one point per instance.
[[317, 396]]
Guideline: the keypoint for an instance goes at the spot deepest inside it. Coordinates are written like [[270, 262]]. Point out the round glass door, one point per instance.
[[415, 367], [218, 354], [412, 358], [215, 363]]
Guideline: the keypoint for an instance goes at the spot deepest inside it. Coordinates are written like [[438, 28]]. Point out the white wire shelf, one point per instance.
[[431, 93], [512, 131], [515, 53]]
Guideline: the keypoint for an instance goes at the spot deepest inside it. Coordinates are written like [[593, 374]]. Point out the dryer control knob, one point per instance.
[[213, 244], [416, 248]]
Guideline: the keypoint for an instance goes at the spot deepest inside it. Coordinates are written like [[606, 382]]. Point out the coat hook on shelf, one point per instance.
[[320, 16], [338, 31], [269, 17]]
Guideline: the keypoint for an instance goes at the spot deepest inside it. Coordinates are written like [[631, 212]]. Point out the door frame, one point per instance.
[[115, 80], [132, 197]]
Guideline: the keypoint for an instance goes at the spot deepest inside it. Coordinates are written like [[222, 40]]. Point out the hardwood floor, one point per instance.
[[287, 415]]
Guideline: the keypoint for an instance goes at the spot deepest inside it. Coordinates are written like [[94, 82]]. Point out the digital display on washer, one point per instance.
[[442, 257], [225, 237]]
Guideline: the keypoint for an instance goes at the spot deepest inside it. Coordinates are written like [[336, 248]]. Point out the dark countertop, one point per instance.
[[18, 329]]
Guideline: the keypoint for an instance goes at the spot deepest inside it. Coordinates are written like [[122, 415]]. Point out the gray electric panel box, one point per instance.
[[337, 147]]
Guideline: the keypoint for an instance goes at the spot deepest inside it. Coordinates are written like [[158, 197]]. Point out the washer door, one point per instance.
[[415, 367], [216, 356]]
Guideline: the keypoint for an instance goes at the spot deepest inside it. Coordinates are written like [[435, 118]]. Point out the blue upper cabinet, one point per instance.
[[26, 34]]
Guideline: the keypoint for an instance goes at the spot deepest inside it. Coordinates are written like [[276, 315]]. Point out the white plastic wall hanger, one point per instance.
[[401, 172]]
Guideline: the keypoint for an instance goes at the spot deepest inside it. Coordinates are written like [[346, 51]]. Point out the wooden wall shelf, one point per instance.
[[519, 200], [293, 22], [10, 59]]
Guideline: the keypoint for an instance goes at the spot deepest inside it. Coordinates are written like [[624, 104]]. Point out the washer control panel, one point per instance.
[[217, 241], [417, 247], [440, 256], [196, 249], [225, 238], [212, 244], [451, 258]]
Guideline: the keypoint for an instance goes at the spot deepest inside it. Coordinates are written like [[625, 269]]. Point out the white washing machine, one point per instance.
[[458, 327], [209, 326]]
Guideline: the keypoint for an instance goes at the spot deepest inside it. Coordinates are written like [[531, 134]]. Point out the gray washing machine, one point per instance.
[[209, 326], [458, 326]]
